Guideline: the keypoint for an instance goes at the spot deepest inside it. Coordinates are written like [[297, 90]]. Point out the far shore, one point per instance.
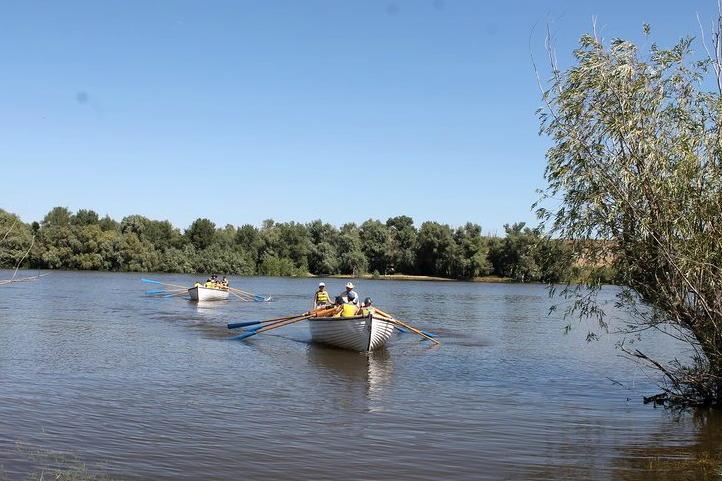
[[408, 277], [386, 277]]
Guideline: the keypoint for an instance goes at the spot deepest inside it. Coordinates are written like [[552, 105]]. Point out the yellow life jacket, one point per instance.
[[349, 310], [367, 310], [322, 297]]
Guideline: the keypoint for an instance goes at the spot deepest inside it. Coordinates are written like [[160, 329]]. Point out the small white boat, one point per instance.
[[200, 293], [358, 333]]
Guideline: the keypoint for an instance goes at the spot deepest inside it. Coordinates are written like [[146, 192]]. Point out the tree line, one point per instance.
[[85, 241]]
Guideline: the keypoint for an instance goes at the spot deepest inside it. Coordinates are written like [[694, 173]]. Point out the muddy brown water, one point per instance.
[[152, 389]]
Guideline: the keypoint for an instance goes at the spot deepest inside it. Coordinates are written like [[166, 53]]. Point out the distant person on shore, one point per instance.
[[349, 290], [321, 298]]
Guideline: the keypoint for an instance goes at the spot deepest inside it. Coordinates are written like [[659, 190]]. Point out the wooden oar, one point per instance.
[[151, 281], [400, 329], [244, 299], [22, 279], [324, 312], [243, 292], [236, 325], [319, 312], [397, 322], [154, 292], [173, 294], [255, 297], [272, 326]]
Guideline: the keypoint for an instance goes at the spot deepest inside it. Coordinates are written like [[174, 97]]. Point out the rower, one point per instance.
[[338, 304], [350, 307], [367, 307], [321, 298], [347, 293]]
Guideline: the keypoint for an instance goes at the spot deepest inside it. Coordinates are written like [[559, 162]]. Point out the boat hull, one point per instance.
[[359, 333], [207, 294]]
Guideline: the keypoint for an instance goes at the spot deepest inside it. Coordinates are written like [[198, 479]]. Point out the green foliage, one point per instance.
[[85, 241], [374, 235], [635, 168], [353, 260], [401, 245], [201, 233], [271, 265], [513, 256], [57, 217], [436, 250], [229, 261], [85, 217], [324, 259], [15, 239]]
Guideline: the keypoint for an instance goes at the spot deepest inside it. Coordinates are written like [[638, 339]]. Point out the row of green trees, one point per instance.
[[83, 240]]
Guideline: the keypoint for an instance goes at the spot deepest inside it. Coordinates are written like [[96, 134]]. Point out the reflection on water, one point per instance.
[[362, 375], [147, 388], [662, 456]]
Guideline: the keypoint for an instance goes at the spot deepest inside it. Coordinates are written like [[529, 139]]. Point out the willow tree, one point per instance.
[[635, 177]]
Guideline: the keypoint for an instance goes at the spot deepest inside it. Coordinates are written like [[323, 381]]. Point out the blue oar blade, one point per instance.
[[401, 330], [428, 334], [244, 336], [156, 291], [236, 325], [150, 281]]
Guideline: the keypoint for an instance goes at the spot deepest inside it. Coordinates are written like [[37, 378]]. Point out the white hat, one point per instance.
[[321, 284], [349, 285]]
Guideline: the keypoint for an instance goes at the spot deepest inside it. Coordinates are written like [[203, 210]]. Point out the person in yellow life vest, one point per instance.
[[350, 308], [321, 298], [367, 307]]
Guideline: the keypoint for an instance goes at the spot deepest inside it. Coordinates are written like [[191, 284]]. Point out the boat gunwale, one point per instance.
[[352, 318], [222, 289]]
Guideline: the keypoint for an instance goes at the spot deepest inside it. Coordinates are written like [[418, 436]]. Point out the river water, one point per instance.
[[94, 371]]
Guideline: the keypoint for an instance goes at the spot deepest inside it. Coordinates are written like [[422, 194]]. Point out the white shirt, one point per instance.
[[345, 294]]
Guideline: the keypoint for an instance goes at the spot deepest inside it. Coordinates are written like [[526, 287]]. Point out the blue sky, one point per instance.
[[293, 110]]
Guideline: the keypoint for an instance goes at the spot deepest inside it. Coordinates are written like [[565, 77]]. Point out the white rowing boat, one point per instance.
[[358, 333], [200, 293]]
